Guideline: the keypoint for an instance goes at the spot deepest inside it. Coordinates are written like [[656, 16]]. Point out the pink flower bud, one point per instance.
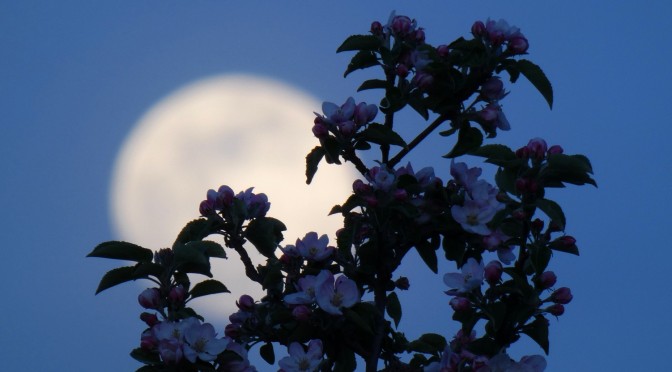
[[400, 194], [420, 36], [232, 330], [519, 214], [360, 188], [547, 279], [177, 294], [521, 185], [492, 89], [150, 298], [537, 225], [245, 303], [402, 283], [347, 128], [148, 341], [460, 304], [562, 295], [205, 208], [556, 309], [567, 241], [523, 153], [376, 28], [518, 44], [401, 26], [149, 319], [555, 149], [493, 272], [301, 313], [442, 51], [478, 28], [537, 148], [423, 80], [402, 70], [320, 130]]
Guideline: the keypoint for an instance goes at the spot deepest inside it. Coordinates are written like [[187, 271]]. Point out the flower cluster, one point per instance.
[[301, 360], [345, 120], [186, 339], [223, 201], [330, 296], [480, 200], [499, 33], [310, 248]]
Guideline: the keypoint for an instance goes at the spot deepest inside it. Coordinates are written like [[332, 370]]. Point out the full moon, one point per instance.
[[236, 130]]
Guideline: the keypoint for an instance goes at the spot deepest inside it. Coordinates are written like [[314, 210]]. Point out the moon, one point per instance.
[[237, 130]]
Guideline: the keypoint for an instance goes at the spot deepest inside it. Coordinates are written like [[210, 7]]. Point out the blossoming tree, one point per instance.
[[327, 304]]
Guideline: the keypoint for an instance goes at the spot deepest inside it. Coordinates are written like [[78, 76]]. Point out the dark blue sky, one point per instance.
[[75, 76]]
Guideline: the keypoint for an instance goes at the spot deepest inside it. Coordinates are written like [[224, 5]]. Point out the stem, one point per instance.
[[250, 271], [416, 141]]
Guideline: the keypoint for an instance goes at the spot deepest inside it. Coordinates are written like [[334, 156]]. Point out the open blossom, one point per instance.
[[337, 114], [307, 286], [470, 278], [313, 248], [241, 365], [503, 363], [200, 342], [480, 206], [300, 360], [463, 175], [381, 178], [332, 297]]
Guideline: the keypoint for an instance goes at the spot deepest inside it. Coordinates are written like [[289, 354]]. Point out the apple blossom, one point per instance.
[[503, 363], [307, 287], [562, 295], [470, 278], [313, 248], [150, 298], [300, 360], [493, 272], [332, 297], [200, 342]]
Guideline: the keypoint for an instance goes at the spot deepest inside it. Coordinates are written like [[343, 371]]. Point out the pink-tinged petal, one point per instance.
[[314, 349], [329, 109], [453, 280], [348, 291], [534, 363]]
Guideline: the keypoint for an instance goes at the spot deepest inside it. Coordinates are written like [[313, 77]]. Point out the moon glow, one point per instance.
[[235, 130]]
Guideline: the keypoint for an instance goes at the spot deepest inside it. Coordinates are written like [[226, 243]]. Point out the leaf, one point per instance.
[[147, 357], [122, 251], [496, 154], [429, 343], [266, 352], [428, 254], [360, 42], [372, 84], [506, 180], [117, 276], [345, 361], [265, 233], [331, 149], [208, 248], [540, 256], [394, 308], [189, 254], [538, 331], [208, 287], [382, 135], [577, 163], [312, 161], [468, 139], [358, 321], [553, 211], [536, 76], [194, 230], [361, 60]]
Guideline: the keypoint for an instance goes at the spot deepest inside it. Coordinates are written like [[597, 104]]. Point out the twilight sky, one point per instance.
[[76, 76]]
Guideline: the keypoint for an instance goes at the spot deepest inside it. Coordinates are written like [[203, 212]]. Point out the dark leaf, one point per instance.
[[553, 211], [147, 357], [536, 76], [394, 308], [358, 320], [312, 161], [208, 248], [468, 139], [382, 135], [540, 255], [372, 84], [361, 60], [538, 331], [496, 154], [345, 361], [208, 287], [265, 233], [428, 254], [332, 149], [122, 251], [360, 42], [194, 231], [417, 104], [266, 352], [117, 276]]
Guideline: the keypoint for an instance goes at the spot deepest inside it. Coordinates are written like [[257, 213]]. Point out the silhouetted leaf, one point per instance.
[[360, 42], [122, 251], [208, 287], [394, 308], [312, 161], [468, 139], [536, 76]]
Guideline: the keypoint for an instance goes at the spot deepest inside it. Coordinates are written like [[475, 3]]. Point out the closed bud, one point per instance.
[[442, 51], [232, 330], [537, 225], [562, 296], [547, 279], [320, 130], [301, 313], [478, 28], [521, 185], [150, 298], [567, 240], [518, 45], [177, 294], [523, 153], [402, 283], [149, 319], [519, 214], [492, 89], [205, 208], [245, 303], [554, 150], [400, 194], [556, 309], [460, 304], [376, 28], [537, 148], [402, 70], [148, 341], [420, 36], [493, 272]]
